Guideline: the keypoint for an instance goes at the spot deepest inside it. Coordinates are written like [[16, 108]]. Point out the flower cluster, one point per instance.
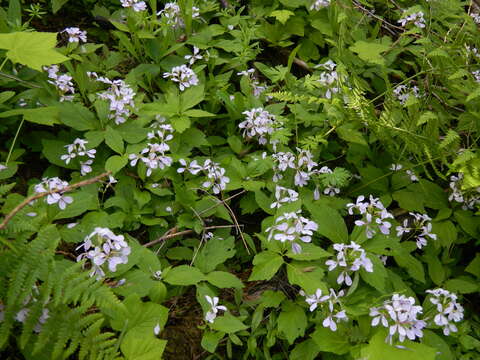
[[303, 165], [258, 88], [78, 149], [415, 18], [102, 246], [173, 15], [258, 123], [183, 75], [375, 215], [448, 310], [421, 227], [399, 315], [63, 83], [119, 94], [319, 4], [469, 199], [75, 35], [55, 187], [283, 196], [154, 155], [212, 313], [136, 5], [292, 227], [351, 258], [333, 309], [476, 75], [329, 78], [403, 92], [216, 179]]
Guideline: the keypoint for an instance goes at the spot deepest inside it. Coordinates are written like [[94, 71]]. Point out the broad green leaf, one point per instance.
[[114, 140], [215, 252], [82, 201], [371, 51], [222, 279], [305, 275], [266, 264], [228, 324], [6, 95], [435, 269], [410, 264], [379, 277], [181, 123], [77, 116], [292, 321], [309, 252], [330, 223], [191, 97], [282, 15], [330, 341], [210, 340], [57, 5], [378, 349], [115, 163], [137, 346], [462, 285], [42, 115], [184, 275], [474, 266], [33, 49], [306, 350], [198, 113], [437, 342]]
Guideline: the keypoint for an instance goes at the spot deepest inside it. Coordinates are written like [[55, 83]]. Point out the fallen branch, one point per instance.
[[184, 232], [37, 196]]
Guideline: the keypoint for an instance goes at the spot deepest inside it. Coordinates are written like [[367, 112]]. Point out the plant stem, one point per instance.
[[14, 141]]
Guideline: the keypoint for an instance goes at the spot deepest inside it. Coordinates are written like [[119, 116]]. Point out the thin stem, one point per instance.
[[3, 63], [14, 141]]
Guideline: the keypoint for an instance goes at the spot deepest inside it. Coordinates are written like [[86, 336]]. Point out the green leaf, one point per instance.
[[282, 15], [378, 349], [306, 350], [462, 285], [222, 279], [370, 51], [115, 163], [330, 223], [42, 115], [6, 95], [379, 277], [215, 252], [305, 275], [266, 264], [309, 252], [33, 49], [198, 113], [184, 275], [474, 266], [411, 264], [435, 269], [191, 97], [58, 4], [77, 116], [114, 140], [330, 341], [228, 324], [181, 123], [136, 346], [210, 340], [82, 201], [292, 321]]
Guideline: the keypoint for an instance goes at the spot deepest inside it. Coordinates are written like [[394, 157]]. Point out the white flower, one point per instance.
[[292, 227], [400, 315], [3, 167], [258, 123], [351, 258], [136, 5], [319, 4], [193, 58], [448, 310], [396, 167], [303, 164], [416, 18], [75, 35], [421, 227], [476, 17], [330, 304], [374, 218], [412, 175], [329, 78], [183, 75], [402, 93], [283, 196], [63, 82], [172, 14], [57, 185], [156, 329], [212, 313], [107, 248]]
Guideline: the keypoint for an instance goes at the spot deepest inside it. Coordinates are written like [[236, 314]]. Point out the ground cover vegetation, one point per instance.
[[264, 179]]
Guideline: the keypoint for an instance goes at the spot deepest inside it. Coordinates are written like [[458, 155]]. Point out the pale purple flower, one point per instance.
[[448, 309], [212, 313], [349, 258], [75, 35], [136, 5], [183, 75]]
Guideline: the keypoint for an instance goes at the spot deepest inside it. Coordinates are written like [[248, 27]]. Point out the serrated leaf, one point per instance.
[[282, 15], [266, 264], [330, 223], [33, 49], [370, 51], [292, 321]]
